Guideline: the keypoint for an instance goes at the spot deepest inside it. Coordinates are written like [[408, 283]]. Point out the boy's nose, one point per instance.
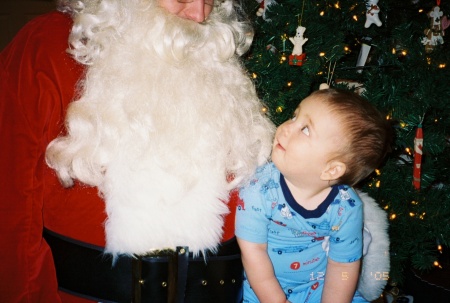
[[285, 128]]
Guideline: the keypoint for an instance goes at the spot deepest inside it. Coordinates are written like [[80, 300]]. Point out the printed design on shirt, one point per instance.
[[344, 195], [240, 204], [289, 249], [306, 233], [297, 233], [285, 212], [356, 240], [270, 184], [253, 182], [322, 226], [277, 222], [311, 261], [268, 191], [336, 240], [341, 210], [313, 288], [295, 266], [336, 227]]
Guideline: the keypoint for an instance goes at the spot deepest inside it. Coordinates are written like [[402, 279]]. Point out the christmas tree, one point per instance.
[[393, 53]]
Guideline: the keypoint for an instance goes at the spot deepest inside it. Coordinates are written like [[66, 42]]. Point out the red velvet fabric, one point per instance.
[[37, 81]]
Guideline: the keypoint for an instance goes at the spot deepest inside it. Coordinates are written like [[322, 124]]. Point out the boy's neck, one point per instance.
[[309, 197]]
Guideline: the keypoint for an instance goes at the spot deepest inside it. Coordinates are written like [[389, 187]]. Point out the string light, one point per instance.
[[279, 109], [411, 214], [439, 246], [408, 150], [414, 202], [392, 216], [377, 185], [337, 5], [289, 84], [355, 17], [378, 172], [322, 54], [254, 76], [436, 263], [442, 65]]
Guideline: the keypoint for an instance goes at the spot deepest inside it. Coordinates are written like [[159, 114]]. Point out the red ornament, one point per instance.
[[418, 147], [297, 59]]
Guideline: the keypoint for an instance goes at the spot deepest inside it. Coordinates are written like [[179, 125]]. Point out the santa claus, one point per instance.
[[164, 123]]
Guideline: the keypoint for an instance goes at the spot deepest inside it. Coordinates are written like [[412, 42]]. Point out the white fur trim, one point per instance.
[[376, 263]]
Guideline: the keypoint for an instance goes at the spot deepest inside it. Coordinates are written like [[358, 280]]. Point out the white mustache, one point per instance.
[[185, 39]]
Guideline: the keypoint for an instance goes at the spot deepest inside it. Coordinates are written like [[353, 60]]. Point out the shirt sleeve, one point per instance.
[[346, 240], [251, 215]]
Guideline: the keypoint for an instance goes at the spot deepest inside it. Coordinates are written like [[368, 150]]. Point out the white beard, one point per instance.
[[160, 124]]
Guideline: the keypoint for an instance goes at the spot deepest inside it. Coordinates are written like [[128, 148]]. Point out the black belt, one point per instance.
[[171, 277]]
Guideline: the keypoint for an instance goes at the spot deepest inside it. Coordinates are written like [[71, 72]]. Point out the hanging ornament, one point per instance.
[[363, 53], [329, 76], [371, 18], [298, 57], [271, 48], [372, 14], [434, 34], [263, 6], [418, 151], [445, 23]]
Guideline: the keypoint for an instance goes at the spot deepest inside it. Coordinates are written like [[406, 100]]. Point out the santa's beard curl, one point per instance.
[[159, 126], [99, 23]]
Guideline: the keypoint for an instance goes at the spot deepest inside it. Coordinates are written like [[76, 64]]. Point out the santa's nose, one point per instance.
[[197, 10]]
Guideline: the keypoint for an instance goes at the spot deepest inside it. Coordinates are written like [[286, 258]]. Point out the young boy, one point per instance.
[[299, 224]]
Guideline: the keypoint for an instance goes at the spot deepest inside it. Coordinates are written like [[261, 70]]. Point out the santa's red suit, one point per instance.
[[36, 85]]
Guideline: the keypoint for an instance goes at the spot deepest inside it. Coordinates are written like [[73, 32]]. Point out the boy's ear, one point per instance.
[[333, 171]]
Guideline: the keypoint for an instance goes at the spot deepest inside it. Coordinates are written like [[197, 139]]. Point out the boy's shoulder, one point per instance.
[[267, 173], [346, 194]]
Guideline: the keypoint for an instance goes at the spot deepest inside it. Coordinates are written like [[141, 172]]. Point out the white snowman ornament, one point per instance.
[[297, 57], [372, 14], [298, 41]]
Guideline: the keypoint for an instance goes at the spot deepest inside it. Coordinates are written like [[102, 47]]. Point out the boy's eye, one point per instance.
[[305, 130]]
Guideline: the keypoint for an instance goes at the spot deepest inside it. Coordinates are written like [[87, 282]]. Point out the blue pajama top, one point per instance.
[[299, 240]]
